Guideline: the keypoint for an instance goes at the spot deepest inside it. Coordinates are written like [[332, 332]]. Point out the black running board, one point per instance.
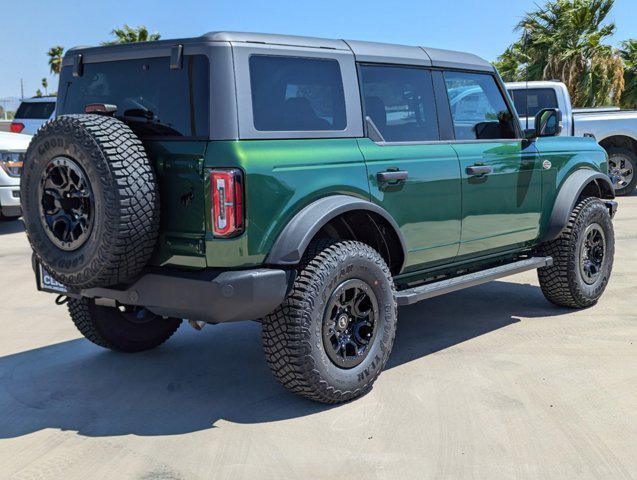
[[423, 292]]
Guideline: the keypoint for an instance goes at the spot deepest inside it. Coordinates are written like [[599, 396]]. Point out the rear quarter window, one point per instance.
[[296, 94], [35, 110], [154, 100]]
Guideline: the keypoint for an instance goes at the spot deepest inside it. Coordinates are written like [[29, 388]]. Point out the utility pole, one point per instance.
[[21, 89]]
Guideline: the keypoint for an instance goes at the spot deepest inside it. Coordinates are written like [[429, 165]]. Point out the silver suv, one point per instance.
[[32, 113]]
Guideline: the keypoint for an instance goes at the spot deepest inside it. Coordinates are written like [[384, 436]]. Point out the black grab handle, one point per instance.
[[392, 176], [479, 170]]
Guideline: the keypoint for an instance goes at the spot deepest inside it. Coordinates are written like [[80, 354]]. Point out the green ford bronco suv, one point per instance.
[[313, 184]]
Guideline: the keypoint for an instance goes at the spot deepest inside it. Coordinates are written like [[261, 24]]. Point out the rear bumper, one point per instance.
[[209, 295]]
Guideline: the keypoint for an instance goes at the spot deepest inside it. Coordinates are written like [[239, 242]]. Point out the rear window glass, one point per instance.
[[152, 99], [296, 94], [35, 110], [538, 99]]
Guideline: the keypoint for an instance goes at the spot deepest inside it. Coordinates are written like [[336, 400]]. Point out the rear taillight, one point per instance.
[[16, 127], [227, 202]]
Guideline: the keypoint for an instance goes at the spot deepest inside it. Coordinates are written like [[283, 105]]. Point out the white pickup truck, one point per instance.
[[12, 150], [614, 129]]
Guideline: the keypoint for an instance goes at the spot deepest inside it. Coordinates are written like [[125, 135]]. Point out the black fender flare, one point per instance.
[[290, 245], [567, 197]]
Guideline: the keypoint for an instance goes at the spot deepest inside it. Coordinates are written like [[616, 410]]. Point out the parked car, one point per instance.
[[313, 184], [12, 151], [613, 128], [32, 114]]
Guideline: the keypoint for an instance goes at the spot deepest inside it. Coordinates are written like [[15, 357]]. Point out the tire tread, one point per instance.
[[286, 332]]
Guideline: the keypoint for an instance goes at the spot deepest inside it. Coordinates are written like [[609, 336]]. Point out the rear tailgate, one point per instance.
[[179, 167]]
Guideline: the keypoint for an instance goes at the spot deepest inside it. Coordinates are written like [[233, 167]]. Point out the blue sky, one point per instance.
[[31, 27]]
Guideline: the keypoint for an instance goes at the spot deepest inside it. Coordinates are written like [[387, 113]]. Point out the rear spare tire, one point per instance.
[[90, 201]]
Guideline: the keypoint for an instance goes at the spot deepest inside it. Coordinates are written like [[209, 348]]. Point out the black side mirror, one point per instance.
[[548, 123]]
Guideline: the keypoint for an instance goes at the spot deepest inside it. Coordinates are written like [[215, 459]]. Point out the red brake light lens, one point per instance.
[[227, 202], [16, 127]]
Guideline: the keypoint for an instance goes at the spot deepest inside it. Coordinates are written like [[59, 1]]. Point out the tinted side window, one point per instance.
[[478, 108], [538, 98], [400, 101], [296, 94], [152, 99], [35, 110]]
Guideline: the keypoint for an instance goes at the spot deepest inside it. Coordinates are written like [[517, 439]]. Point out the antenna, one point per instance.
[[526, 36]]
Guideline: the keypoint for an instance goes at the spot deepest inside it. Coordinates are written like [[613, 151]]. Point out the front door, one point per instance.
[[412, 175], [501, 173]]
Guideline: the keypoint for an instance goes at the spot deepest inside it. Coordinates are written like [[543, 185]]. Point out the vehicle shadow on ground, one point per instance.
[[199, 378], [11, 226]]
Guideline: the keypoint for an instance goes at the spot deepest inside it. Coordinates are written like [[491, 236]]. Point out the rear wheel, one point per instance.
[[622, 164], [332, 336], [582, 257], [125, 329]]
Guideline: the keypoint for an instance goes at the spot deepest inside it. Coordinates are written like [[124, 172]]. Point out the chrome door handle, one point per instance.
[[477, 170], [392, 176]]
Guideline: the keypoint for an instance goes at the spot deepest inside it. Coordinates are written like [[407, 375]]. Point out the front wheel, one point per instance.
[[332, 336], [582, 257], [124, 329]]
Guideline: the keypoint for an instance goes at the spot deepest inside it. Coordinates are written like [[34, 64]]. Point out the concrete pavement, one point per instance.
[[491, 382]]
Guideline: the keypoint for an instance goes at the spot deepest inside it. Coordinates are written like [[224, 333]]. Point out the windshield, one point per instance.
[[153, 99]]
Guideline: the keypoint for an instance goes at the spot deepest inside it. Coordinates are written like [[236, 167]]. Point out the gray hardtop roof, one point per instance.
[[364, 51]]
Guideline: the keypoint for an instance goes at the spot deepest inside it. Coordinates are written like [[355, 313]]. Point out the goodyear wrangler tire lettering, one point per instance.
[[90, 201]]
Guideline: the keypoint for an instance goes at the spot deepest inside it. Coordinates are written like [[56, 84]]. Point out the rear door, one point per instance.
[[413, 175], [168, 109], [501, 172]]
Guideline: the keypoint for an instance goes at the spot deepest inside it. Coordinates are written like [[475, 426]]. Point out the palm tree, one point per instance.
[[38, 93], [128, 34], [628, 53], [45, 85], [565, 40], [509, 63], [55, 58]]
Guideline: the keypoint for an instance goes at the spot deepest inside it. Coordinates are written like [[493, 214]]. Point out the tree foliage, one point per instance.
[[55, 58], [565, 40], [628, 53], [128, 34]]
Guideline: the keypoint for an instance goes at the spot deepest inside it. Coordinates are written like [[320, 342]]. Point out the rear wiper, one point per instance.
[[139, 113], [144, 121]]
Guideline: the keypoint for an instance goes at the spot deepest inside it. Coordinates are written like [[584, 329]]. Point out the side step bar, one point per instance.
[[422, 292]]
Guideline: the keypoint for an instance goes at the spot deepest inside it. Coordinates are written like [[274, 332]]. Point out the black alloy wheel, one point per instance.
[[349, 324], [592, 253], [66, 204]]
